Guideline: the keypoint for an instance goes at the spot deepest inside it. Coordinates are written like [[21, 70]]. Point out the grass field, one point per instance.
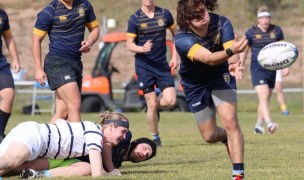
[[185, 155]]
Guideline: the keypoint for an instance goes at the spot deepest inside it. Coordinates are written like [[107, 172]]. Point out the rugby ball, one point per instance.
[[277, 55]]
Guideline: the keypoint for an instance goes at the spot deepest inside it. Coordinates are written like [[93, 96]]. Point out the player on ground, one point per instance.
[[62, 140], [208, 50], [137, 151], [263, 80]]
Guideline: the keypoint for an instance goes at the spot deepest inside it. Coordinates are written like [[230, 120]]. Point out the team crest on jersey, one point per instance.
[[258, 36], [63, 18], [272, 35], [161, 22], [226, 77], [217, 39], [143, 25], [81, 11]]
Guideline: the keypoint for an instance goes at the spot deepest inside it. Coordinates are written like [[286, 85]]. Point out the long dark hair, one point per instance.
[[188, 10]]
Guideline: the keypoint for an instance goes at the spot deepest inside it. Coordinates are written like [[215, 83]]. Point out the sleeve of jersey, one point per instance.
[[132, 27], [93, 137], [6, 25], [248, 35], [281, 34], [44, 22], [186, 46], [170, 20], [227, 32], [91, 20]]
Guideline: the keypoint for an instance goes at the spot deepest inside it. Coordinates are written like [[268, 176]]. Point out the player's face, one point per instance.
[[118, 134], [147, 3], [264, 22], [202, 21], [141, 153]]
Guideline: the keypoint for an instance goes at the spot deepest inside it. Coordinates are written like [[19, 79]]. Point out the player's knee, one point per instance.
[[209, 137], [169, 102]]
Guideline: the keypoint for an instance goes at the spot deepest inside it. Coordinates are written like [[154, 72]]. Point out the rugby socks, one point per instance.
[[155, 136], [259, 123], [3, 121], [46, 173], [238, 171], [283, 108]]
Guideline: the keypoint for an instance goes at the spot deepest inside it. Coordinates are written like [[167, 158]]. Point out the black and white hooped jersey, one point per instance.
[[70, 139]]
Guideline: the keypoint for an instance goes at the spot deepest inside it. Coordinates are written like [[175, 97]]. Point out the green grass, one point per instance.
[[185, 155]]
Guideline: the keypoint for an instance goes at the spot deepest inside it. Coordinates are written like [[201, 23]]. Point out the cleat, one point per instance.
[[285, 113], [259, 130], [272, 128], [238, 177], [31, 174], [157, 142]]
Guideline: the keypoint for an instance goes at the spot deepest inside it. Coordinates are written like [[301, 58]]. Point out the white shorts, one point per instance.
[[27, 133], [279, 76]]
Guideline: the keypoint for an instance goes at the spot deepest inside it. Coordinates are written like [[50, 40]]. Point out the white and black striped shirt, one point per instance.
[[70, 139]]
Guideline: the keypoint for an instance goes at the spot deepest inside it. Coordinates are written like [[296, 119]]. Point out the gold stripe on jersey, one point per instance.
[[39, 32], [92, 24], [172, 27], [131, 35], [228, 44], [193, 50], [7, 32]]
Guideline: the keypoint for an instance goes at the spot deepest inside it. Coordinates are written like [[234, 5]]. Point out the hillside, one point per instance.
[[22, 14]]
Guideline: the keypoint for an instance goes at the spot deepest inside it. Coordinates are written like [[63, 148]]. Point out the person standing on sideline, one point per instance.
[[208, 49], [278, 88], [147, 38], [65, 22], [263, 80], [7, 87]]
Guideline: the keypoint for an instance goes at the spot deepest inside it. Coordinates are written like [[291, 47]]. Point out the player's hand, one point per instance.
[[285, 72], [236, 70], [174, 63], [16, 66], [40, 77], [85, 46], [114, 172], [147, 46], [239, 45]]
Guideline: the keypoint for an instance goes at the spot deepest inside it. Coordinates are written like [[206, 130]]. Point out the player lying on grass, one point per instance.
[[63, 139], [136, 151]]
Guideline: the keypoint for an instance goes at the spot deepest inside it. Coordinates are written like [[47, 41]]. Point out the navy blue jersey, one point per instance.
[[118, 152], [4, 27], [220, 36], [257, 39], [143, 28], [65, 27]]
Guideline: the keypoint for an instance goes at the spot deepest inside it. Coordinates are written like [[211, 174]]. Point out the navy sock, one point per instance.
[[238, 169], [155, 136], [3, 120]]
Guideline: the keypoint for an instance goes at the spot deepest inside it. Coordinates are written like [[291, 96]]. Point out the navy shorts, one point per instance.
[[6, 77], [262, 76], [148, 76], [61, 71], [199, 96]]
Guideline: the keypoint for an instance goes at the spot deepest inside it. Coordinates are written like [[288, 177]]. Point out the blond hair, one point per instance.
[[111, 115], [263, 9]]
